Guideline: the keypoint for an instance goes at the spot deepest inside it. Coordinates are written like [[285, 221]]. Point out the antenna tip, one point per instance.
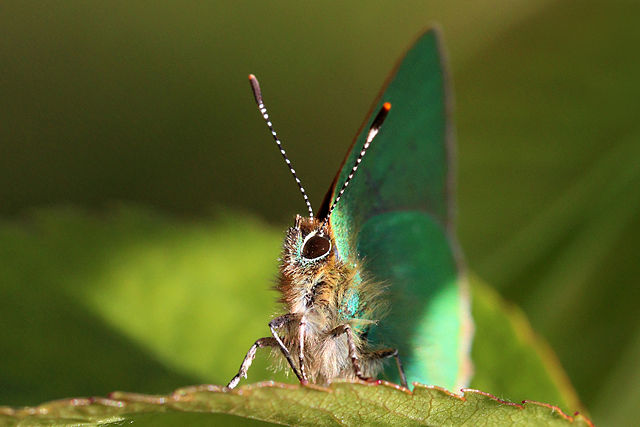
[[386, 106], [252, 77]]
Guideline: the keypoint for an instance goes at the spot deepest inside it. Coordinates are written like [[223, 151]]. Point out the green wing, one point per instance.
[[397, 215]]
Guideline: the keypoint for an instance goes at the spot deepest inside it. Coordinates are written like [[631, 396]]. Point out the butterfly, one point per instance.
[[376, 274]]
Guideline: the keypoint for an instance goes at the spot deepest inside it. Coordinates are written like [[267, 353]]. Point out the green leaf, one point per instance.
[[510, 360], [137, 301], [130, 300], [343, 403]]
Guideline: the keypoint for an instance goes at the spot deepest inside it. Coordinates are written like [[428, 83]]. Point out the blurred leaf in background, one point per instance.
[[184, 298], [128, 301], [121, 101]]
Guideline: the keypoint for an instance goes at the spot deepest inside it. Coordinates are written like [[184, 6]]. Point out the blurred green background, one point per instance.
[[112, 104]]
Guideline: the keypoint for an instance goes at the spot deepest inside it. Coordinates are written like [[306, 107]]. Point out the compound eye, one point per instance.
[[315, 247]]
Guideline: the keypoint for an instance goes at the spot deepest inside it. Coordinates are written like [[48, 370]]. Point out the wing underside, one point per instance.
[[400, 208]]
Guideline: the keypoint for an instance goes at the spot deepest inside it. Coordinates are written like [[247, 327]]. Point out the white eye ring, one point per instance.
[[320, 247]]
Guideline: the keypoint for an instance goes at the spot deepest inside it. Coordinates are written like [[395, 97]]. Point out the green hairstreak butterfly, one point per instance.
[[376, 274]]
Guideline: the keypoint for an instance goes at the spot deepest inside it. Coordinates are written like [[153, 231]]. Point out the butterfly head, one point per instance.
[[309, 242]]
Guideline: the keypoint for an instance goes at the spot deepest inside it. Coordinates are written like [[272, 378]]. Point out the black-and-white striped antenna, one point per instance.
[[257, 94], [373, 131]]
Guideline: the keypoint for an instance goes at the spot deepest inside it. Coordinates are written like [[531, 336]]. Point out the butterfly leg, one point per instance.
[[248, 359], [387, 353], [277, 323], [353, 352], [301, 333]]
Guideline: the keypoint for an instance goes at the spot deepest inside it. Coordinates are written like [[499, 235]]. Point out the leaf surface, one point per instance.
[[139, 297], [343, 403]]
